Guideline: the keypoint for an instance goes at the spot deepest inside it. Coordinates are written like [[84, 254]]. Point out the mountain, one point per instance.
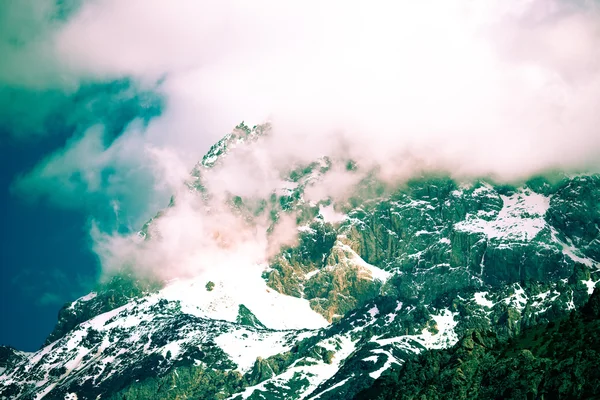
[[382, 287], [560, 359]]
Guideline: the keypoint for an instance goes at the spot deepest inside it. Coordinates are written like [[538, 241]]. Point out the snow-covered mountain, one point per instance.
[[373, 280]]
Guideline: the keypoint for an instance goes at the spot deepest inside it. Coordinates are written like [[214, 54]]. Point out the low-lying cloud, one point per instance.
[[489, 88], [504, 88]]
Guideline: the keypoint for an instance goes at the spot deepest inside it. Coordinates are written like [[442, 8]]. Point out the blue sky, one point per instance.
[[45, 246], [45, 262]]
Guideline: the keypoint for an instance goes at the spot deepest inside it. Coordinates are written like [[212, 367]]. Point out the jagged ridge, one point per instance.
[[401, 271]]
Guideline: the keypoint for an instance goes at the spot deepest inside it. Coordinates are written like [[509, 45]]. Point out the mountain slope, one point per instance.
[[373, 280], [555, 360]]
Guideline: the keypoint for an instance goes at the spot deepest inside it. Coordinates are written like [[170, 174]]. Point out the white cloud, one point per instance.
[[504, 88], [490, 87], [91, 173]]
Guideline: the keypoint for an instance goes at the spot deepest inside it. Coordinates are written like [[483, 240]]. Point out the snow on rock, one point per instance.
[[354, 258], [390, 360], [443, 336], [481, 299], [590, 285], [521, 218], [340, 383], [573, 253], [311, 274], [82, 299], [111, 343], [244, 346], [242, 285], [310, 376], [517, 299], [373, 311]]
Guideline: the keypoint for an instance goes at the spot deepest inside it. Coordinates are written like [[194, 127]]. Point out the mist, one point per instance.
[[503, 89]]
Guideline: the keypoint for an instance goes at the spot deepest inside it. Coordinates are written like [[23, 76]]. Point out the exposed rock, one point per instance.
[[114, 293], [557, 360], [402, 273], [246, 317]]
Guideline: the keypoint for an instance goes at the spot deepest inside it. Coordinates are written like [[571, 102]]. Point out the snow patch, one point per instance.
[[173, 348], [443, 338], [244, 346], [354, 258], [521, 218], [518, 299], [313, 374], [590, 285], [570, 251], [337, 385], [242, 284], [311, 274], [82, 299], [373, 311], [390, 360], [481, 299]]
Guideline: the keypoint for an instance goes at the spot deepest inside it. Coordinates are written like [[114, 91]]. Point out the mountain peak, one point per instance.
[[372, 281]]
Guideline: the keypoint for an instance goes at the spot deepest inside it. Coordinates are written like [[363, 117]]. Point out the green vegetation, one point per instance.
[[559, 360]]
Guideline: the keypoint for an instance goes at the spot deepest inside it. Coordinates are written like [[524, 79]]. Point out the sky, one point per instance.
[[36, 277], [45, 247], [105, 106]]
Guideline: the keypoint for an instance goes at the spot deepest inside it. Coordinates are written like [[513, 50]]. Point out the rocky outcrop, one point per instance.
[[555, 360], [116, 292], [10, 358], [575, 213], [261, 371], [402, 273], [326, 271], [247, 318]]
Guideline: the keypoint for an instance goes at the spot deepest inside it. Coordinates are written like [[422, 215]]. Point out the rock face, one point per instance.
[[560, 359], [377, 286], [10, 358], [118, 291]]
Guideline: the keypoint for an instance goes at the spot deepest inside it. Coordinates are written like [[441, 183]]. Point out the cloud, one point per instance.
[[503, 88], [189, 238], [97, 175], [497, 88], [29, 59], [97, 164]]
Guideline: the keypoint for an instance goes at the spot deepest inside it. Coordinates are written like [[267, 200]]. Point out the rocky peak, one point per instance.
[[375, 281]]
